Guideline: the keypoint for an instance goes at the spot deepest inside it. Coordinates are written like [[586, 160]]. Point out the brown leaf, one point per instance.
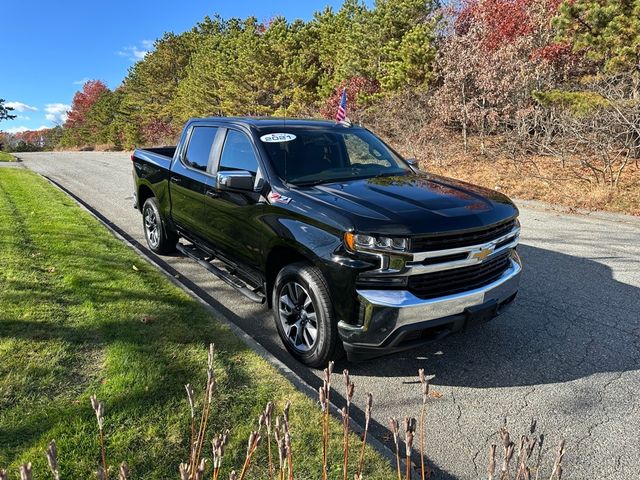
[[51, 269], [435, 394], [147, 319]]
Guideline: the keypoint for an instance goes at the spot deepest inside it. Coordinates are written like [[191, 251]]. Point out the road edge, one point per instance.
[[261, 351]]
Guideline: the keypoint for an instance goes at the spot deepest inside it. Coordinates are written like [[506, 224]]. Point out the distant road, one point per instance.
[[567, 353]]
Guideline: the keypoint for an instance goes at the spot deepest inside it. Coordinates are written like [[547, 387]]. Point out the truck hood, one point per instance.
[[412, 204]]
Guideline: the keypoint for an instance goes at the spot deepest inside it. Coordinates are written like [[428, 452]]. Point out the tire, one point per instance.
[[160, 239], [302, 305]]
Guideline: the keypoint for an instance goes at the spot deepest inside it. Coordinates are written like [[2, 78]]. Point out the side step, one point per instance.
[[200, 257]]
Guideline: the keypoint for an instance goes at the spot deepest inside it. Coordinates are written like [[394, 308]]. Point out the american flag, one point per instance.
[[342, 108]]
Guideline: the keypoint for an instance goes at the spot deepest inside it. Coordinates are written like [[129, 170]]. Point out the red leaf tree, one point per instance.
[[83, 101]]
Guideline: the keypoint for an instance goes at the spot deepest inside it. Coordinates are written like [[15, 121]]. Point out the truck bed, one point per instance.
[[164, 151], [158, 156]]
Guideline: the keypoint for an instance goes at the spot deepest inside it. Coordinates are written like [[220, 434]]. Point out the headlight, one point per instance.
[[356, 241]]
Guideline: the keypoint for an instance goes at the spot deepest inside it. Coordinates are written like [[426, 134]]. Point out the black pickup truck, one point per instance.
[[351, 246]]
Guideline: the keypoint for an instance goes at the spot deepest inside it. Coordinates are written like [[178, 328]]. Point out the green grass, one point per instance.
[[71, 310], [5, 157]]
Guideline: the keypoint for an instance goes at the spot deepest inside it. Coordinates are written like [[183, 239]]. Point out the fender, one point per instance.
[[323, 248]]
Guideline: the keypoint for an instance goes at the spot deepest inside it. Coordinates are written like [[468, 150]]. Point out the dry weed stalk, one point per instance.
[[52, 459], [196, 446], [218, 446], [526, 447], [184, 471], [200, 470], [557, 464], [346, 412], [325, 402], [491, 469], [268, 417], [423, 415], [254, 441], [25, 471], [278, 433], [123, 474], [367, 419], [539, 459], [98, 408], [287, 439], [192, 408], [508, 447], [395, 429], [324, 406], [409, 429]]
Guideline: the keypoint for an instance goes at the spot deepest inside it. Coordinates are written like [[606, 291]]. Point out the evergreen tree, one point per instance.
[[606, 31], [4, 111]]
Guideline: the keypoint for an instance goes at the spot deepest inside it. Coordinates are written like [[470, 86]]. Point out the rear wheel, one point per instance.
[[304, 314], [160, 239]]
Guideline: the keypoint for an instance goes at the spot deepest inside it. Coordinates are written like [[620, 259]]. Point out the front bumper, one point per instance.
[[396, 319]]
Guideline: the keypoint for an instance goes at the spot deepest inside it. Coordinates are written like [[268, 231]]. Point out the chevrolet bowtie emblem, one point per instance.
[[482, 253]]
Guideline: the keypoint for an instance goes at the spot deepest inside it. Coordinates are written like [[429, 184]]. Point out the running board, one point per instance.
[[239, 285]]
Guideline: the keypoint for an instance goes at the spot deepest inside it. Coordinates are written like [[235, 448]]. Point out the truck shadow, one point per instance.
[[571, 319]]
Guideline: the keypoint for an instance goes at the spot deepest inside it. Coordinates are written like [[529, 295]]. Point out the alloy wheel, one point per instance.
[[298, 316], [152, 227]]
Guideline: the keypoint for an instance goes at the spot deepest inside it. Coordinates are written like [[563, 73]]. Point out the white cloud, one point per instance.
[[20, 107], [137, 53], [23, 117], [57, 112], [22, 128], [82, 81]]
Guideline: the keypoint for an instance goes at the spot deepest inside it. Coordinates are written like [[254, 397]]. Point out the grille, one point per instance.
[[449, 282], [464, 239]]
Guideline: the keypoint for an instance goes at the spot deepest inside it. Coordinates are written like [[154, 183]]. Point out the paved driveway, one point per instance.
[[567, 353]]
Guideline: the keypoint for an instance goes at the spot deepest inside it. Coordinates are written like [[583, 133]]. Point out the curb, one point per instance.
[[262, 352]]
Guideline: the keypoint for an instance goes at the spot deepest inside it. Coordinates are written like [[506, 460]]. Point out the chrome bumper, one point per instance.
[[388, 311]]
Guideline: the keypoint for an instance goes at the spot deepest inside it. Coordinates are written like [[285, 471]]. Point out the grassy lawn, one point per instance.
[[71, 324], [5, 157]]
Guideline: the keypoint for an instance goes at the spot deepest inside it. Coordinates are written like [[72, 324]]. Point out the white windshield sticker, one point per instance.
[[278, 137]]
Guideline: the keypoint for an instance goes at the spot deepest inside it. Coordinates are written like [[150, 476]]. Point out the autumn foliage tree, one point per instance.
[[490, 64], [77, 130]]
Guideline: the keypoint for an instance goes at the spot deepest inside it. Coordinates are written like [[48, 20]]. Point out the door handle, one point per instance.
[[211, 193], [176, 179]]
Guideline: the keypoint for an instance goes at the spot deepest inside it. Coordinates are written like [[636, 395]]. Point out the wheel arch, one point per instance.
[[144, 193], [279, 257]]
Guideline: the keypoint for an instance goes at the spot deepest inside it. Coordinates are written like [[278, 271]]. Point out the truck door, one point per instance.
[[234, 218], [190, 175]]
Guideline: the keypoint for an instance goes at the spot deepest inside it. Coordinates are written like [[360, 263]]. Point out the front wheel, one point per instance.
[[304, 314], [159, 239]]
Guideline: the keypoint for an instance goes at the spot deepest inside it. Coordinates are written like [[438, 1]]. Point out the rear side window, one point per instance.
[[199, 148], [238, 154]]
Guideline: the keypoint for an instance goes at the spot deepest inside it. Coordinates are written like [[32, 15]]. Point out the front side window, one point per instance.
[[199, 148], [238, 154]]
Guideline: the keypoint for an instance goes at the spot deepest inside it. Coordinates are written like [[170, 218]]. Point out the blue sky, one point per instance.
[[49, 48]]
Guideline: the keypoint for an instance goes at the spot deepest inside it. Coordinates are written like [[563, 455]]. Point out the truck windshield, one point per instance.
[[310, 156]]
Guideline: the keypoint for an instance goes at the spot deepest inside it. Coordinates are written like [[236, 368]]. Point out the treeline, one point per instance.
[[541, 75]]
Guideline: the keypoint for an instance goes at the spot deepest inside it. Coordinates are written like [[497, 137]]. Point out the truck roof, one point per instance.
[[267, 122]]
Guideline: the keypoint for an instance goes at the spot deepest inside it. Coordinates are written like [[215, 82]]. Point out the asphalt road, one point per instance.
[[567, 353]]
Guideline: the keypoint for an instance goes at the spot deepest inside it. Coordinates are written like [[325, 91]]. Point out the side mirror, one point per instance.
[[235, 180], [413, 163]]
